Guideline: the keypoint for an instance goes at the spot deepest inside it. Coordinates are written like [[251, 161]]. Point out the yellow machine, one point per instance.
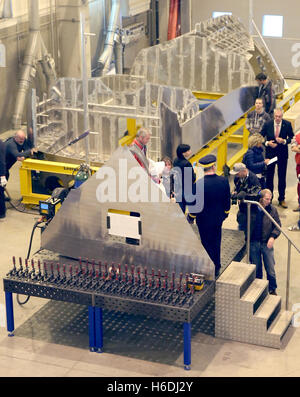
[[32, 172]]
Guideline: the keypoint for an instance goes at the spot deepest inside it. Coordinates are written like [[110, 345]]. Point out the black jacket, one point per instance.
[[251, 189], [216, 200], [286, 132], [14, 150], [2, 158], [267, 93], [268, 227], [180, 184], [250, 186], [254, 160]]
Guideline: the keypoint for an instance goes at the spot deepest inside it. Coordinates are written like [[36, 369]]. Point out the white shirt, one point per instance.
[[275, 124]]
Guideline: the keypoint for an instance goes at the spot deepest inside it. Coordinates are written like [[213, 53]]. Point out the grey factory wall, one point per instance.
[[285, 50], [62, 37], [14, 37]]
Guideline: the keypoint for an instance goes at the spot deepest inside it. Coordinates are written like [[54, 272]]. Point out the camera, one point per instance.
[[234, 199]]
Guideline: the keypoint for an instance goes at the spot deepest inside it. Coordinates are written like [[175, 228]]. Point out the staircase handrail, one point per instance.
[[290, 242]]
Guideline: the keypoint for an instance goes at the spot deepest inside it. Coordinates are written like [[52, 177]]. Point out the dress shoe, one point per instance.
[[297, 209], [294, 227], [282, 204], [273, 292]]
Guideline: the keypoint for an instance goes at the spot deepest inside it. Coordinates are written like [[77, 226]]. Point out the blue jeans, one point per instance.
[[259, 254]]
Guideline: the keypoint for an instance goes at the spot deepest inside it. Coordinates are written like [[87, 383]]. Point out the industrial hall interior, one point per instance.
[[149, 188]]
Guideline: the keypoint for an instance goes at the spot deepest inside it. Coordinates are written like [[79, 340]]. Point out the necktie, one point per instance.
[[277, 130]]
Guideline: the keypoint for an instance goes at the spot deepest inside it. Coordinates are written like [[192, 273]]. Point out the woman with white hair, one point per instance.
[[254, 158]]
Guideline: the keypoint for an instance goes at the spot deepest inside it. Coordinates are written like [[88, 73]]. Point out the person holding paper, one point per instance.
[[254, 158], [278, 134]]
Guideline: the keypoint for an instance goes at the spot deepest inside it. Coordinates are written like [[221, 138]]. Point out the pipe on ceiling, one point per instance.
[[104, 60]]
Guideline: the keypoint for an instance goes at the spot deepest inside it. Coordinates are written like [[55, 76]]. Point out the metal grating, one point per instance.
[[136, 336]]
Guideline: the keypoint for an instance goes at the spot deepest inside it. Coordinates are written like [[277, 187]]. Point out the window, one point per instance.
[[216, 14], [272, 25]]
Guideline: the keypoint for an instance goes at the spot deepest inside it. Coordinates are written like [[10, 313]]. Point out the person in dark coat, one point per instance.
[[266, 92], [3, 180], [254, 158], [278, 135], [18, 148], [247, 187], [216, 206], [183, 175], [262, 238]]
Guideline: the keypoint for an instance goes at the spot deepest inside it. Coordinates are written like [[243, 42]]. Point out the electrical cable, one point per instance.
[[27, 257], [19, 203]]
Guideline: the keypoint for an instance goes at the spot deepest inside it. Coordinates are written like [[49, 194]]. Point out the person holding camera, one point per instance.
[[247, 186]]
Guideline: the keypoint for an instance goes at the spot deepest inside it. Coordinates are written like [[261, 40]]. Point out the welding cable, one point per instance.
[[16, 206], [27, 257]]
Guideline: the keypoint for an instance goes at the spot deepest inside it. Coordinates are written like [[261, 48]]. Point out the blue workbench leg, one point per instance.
[[9, 313], [98, 329], [187, 346], [92, 337]]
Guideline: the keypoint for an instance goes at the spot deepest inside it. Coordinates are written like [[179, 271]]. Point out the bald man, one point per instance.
[[18, 148]]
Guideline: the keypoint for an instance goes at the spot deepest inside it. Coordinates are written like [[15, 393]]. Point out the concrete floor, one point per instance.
[[211, 356]]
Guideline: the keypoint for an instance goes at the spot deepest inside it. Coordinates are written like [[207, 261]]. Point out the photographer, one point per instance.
[[247, 187]]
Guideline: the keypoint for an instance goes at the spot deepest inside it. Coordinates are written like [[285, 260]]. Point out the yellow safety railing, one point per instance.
[[220, 143]]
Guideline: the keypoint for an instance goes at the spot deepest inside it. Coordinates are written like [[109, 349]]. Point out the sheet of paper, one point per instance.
[[273, 160]]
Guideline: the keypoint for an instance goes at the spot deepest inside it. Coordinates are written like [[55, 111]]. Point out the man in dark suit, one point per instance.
[[278, 134], [215, 209], [266, 92]]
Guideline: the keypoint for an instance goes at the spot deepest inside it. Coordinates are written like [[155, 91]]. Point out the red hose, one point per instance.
[[174, 19]]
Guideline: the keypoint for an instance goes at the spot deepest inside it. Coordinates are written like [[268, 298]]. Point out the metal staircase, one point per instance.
[[245, 311]]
